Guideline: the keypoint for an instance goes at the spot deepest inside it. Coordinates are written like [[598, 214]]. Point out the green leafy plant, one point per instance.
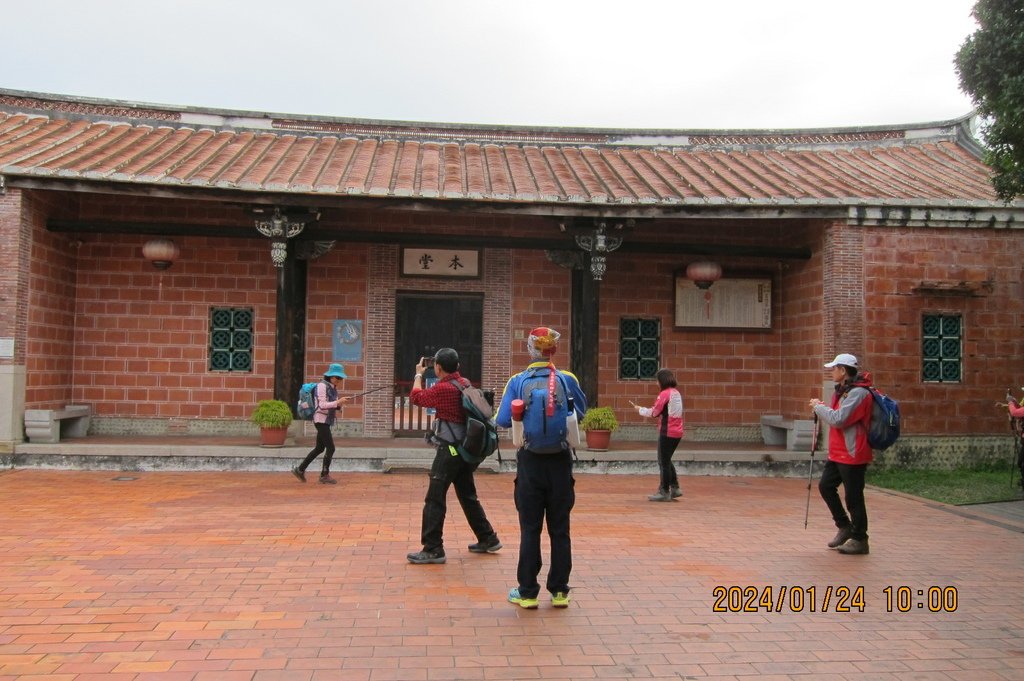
[[599, 418], [272, 414]]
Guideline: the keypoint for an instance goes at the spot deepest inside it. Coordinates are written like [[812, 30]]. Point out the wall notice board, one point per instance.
[[740, 303]]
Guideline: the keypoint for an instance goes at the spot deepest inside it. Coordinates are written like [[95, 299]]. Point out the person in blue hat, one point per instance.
[[327, 405]]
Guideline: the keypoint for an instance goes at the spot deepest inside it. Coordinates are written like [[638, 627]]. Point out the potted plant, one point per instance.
[[599, 422], [273, 417]]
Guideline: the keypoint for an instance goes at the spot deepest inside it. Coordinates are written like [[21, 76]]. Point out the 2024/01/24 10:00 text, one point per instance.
[[832, 598]]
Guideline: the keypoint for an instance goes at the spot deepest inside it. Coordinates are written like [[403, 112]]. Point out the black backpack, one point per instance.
[[481, 438]]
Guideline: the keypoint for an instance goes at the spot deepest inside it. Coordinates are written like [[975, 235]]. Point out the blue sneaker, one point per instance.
[[528, 603]]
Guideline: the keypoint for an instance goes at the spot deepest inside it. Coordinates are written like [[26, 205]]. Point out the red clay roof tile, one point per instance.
[[40, 137]]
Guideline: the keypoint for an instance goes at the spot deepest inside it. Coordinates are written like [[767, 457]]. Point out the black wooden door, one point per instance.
[[424, 323]]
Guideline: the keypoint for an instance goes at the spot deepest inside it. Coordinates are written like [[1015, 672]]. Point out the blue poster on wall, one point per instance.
[[348, 340]]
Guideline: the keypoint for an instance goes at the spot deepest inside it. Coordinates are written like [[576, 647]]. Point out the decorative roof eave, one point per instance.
[[127, 148], [858, 211]]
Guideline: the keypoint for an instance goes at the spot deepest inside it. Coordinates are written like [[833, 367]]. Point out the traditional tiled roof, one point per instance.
[[115, 142]]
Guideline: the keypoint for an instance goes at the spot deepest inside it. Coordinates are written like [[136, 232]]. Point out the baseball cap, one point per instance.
[[847, 360]]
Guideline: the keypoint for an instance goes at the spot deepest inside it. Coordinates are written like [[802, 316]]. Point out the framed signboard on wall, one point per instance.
[[441, 262], [741, 303]]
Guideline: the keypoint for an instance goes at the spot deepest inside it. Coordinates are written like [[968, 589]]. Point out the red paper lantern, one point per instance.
[[704, 273], [160, 252]]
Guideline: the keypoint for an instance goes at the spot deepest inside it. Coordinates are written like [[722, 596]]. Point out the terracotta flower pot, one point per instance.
[[597, 440], [273, 437]]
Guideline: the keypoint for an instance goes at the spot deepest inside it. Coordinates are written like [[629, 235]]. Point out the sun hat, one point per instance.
[[542, 342], [335, 370], [847, 360]]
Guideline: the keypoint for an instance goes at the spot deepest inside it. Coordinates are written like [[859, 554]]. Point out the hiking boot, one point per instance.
[[425, 557], [854, 547], [560, 599], [521, 601], [299, 473], [676, 492], [327, 480], [490, 546], [841, 537], [662, 495]]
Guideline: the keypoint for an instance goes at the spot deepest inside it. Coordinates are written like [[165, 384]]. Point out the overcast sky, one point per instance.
[[687, 64]]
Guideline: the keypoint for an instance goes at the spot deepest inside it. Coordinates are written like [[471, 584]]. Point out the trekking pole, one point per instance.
[[810, 469], [370, 391]]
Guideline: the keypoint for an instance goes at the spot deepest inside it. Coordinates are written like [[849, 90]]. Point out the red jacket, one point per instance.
[[849, 418]]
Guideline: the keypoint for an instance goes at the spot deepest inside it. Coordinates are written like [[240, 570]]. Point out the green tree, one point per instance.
[[990, 65]]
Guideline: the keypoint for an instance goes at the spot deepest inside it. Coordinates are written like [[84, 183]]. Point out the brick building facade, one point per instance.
[[866, 237]]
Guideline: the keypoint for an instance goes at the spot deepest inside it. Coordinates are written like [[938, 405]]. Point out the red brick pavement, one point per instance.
[[254, 576]]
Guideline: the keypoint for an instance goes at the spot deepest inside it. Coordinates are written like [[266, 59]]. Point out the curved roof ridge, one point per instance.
[[102, 110]]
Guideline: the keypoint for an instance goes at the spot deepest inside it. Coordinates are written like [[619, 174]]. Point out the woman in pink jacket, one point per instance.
[[327, 405], [669, 407]]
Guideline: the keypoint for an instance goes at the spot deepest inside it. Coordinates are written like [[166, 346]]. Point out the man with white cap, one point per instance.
[[848, 417]]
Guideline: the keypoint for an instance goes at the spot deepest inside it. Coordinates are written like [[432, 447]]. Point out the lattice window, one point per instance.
[[639, 348], [231, 339], [941, 348]]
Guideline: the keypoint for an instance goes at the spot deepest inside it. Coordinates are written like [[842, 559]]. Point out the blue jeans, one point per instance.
[[544, 488]]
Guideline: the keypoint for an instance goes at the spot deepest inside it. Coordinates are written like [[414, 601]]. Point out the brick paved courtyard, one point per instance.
[[254, 576]]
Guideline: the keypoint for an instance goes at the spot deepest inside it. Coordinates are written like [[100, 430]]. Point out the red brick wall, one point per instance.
[[727, 378], [15, 253], [142, 335], [104, 327], [896, 260], [52, 288]]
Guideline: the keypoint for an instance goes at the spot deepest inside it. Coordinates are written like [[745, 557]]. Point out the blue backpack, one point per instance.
[[884, 429], [305, 406], [544, 434]]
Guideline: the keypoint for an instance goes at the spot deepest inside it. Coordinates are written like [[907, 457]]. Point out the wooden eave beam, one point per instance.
[[321, 233]]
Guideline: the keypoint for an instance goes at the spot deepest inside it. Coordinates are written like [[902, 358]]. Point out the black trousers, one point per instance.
[[446, 471], [324, 444], [544, 489], [666, 448], [852, 480]]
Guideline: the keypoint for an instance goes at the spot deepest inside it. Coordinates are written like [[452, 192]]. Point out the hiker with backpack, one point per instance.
[[849, 452], [449, 467], [542, 398], [327, 405], [668, 409]]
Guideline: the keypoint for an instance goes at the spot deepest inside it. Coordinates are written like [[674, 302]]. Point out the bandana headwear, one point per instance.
[[541, 344]]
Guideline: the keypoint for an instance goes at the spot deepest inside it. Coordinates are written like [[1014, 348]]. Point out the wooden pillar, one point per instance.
[[290, 348], [585, 318]]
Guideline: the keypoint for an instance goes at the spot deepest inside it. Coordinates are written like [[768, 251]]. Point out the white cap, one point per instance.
[[847, 360]]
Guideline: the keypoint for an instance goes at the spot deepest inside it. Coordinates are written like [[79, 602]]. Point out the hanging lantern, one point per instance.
[[161, 253], [704, 273]]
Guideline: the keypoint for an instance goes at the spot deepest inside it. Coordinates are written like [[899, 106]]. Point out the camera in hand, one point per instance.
[[427, 362]]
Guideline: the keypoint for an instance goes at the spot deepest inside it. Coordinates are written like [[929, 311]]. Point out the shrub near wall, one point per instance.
[[946, 453]]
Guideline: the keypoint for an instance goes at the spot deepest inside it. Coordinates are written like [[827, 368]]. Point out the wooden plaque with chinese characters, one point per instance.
[[728, 304], [441, 262]]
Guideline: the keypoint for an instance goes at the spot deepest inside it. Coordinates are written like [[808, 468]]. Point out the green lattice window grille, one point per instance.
[[941, 348], [231, 338], [639, 348]]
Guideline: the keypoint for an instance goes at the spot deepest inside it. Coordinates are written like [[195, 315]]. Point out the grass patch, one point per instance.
[[958, 487]]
